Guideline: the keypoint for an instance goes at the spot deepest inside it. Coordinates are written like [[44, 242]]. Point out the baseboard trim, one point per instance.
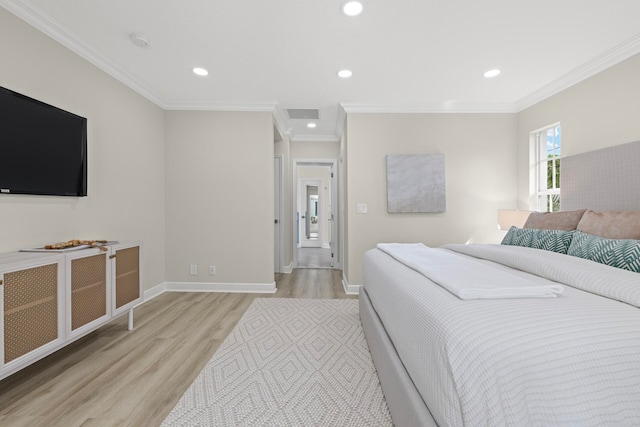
[[157, 290], [246, 288], [287, 269], [350, 289], [251, 288]]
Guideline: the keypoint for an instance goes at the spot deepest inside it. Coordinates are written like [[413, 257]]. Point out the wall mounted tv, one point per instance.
[[43, 149]]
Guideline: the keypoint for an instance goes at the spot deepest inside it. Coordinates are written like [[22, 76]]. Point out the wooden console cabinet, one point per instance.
[[48, 300]]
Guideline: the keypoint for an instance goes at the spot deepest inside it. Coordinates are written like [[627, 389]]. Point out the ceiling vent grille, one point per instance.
[[303, 113]]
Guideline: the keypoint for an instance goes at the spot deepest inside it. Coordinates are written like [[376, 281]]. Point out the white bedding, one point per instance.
[[571, 360], [465, 277]]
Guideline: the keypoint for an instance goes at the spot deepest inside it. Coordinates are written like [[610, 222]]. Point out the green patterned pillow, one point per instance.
[[620, 253], [549, 240]]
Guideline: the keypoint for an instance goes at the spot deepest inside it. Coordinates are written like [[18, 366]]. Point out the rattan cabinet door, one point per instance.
[[31, 310], [87, 291], [126, 278]]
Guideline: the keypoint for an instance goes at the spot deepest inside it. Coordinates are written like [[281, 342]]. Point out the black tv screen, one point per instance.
[[43, 149]]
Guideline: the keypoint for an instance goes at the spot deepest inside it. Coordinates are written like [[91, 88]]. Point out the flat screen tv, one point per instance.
[[43, 149]]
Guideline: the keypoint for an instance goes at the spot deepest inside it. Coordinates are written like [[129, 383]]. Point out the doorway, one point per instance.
[[315, 208]]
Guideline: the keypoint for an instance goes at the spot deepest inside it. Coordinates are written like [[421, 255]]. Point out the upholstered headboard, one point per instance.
[[602, 180]]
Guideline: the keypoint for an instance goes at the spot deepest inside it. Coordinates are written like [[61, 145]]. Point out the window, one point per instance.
[[547, 148]]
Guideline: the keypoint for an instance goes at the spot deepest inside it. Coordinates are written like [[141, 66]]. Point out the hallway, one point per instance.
[[314, 258]]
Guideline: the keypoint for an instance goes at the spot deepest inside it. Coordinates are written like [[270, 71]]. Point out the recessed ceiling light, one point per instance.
[[345, 74], [139, 39], [352, 8], [200, 71], [311, 125], [491, 73]]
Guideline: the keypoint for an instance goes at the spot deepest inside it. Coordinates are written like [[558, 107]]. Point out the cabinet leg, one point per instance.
[[130, 327]]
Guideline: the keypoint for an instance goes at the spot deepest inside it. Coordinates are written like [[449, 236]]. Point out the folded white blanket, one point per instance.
[[464, 277]]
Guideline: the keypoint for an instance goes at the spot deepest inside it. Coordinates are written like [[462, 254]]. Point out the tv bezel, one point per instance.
[[82, 188]]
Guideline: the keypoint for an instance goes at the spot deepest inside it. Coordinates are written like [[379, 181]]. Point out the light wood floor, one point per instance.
[[313, 257], [114, 377]]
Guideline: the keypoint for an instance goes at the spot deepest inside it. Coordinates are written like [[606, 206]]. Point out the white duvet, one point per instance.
[[465, 277], [570, 360]]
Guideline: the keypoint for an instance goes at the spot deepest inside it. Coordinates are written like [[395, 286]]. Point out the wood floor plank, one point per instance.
[[20, 421], [114, 377]]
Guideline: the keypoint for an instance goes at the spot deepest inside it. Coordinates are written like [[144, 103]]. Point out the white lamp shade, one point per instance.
[[510, 217]]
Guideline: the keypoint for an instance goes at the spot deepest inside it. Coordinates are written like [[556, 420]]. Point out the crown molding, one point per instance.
[[38, 19], [257, 107], [451, 107], [280, 118], [614, 56]]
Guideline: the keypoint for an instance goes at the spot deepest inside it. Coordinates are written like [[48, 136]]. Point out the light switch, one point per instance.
[[362, 208]]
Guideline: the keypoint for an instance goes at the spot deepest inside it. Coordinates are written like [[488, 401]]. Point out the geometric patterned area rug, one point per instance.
[[288, 362]]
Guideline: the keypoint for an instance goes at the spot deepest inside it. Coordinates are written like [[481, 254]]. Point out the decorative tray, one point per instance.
[[71, 248]]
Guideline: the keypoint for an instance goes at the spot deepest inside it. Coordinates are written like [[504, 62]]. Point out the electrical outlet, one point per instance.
[[193, 269], [212, 270]]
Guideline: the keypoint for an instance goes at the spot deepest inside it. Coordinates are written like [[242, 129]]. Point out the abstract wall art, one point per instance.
[[416, 183]]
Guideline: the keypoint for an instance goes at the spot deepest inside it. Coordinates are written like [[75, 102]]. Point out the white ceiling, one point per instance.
[[406, 55]]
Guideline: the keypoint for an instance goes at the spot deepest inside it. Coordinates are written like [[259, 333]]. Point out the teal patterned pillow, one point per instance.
[[620, 253], [549, 240]]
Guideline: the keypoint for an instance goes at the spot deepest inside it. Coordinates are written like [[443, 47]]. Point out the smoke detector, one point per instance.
[[139, 39]]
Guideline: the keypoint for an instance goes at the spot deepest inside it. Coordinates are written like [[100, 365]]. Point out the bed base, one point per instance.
[[405, 404]]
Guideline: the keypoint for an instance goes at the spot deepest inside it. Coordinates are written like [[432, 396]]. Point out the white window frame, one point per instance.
[[545, 195]]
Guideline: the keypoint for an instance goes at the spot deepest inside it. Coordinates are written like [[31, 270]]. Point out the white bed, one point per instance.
[[571, 360]]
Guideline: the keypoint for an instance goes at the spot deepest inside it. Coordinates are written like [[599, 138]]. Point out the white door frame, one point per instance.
[[336, 247], [277, 214]]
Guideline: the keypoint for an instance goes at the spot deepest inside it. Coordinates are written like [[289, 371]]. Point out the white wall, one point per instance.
[[599, 112], [315, 150], [480, 154], [125, 152], [220, 196]]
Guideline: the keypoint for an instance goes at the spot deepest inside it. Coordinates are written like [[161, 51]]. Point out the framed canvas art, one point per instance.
[[416, 183]]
